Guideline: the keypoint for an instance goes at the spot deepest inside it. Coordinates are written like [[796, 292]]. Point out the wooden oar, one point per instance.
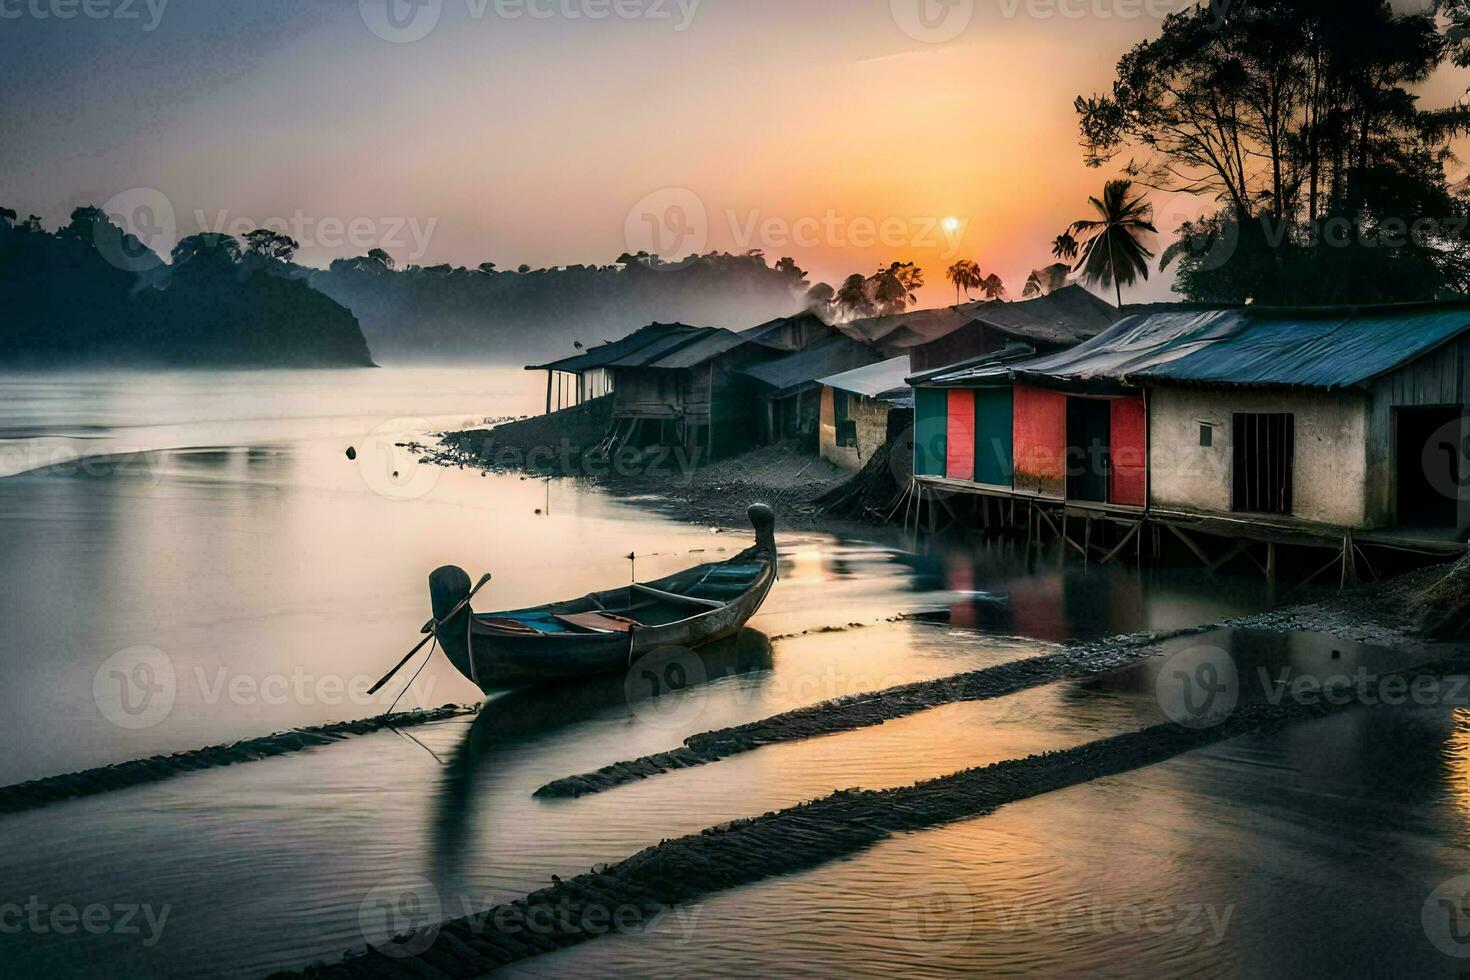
[[432, 628]]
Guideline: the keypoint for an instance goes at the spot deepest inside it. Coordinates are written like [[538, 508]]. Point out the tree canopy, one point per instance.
[[1299, 120]]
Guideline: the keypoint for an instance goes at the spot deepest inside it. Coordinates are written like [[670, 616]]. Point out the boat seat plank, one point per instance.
[[599, 622]]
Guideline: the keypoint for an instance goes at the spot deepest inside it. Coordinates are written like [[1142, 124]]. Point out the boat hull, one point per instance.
[[498, 660]]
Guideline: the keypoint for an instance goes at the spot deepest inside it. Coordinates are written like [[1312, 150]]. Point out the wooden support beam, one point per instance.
[[1235, 549], [1132, 533], [1063, 536], [1349, 566], [1372, 572], [1189, 542]]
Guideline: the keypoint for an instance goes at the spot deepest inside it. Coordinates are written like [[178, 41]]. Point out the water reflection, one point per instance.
[[262, 552], [520, 720]]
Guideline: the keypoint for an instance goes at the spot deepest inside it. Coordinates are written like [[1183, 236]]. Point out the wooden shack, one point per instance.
[[679, 386], [790, 389], [1319, 420], [855, 406]]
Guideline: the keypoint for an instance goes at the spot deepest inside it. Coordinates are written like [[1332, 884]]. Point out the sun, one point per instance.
[[950, 224]]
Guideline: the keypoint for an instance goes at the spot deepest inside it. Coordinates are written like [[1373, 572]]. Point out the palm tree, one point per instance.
[[1114, 247], [1064, 246], [966, 274], [959, 274]]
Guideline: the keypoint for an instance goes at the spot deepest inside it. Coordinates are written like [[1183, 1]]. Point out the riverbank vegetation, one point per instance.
[[89, 293]]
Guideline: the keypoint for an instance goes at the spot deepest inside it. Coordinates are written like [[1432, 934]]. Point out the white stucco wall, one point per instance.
[[1330, 466]]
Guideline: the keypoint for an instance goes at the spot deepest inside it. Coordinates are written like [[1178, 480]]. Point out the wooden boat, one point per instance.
[[604, 632]]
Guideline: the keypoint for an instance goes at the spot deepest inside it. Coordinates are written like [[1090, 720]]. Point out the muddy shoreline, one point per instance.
[[665, 480]]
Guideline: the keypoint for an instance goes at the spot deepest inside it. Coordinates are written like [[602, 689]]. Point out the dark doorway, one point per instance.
[[1264, 452], [1427, 446], [1089, 449]]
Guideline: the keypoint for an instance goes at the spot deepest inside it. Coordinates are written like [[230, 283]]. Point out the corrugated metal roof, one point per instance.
[[830, 356], [712, 344], [1068, 315], [762, 333], [906, 329], [1330, 352], [608, 353], [1313, 348], [650, 354], [886, 378]]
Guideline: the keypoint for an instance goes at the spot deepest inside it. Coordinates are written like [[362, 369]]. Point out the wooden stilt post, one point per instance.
[[550, 379], [1271, 572], [1349, 565]]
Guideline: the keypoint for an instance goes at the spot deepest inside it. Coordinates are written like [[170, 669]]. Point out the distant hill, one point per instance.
[[89, 294], [449, 313]]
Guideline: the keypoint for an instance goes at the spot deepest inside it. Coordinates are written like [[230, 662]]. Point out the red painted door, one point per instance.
[[1041, 441], [1129, 478], [961, 453]]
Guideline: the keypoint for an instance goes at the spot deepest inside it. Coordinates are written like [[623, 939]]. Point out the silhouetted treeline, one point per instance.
[[446, 313], [1302, 121], [89, 293]]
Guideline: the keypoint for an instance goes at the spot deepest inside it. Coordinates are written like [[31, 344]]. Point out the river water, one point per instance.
[[191, 558]]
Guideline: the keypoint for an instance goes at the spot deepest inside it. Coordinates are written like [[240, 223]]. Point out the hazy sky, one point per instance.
[[552, 132]]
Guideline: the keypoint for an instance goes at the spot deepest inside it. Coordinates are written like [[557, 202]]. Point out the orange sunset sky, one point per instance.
[[508, 137]]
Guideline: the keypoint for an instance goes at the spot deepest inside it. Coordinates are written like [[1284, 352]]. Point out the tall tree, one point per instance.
[[271, 245], [852, 300], [1115, 245], [1299, 118], [959, 274]]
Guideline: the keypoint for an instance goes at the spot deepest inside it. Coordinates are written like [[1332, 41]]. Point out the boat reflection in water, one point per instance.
[[525, 718]]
